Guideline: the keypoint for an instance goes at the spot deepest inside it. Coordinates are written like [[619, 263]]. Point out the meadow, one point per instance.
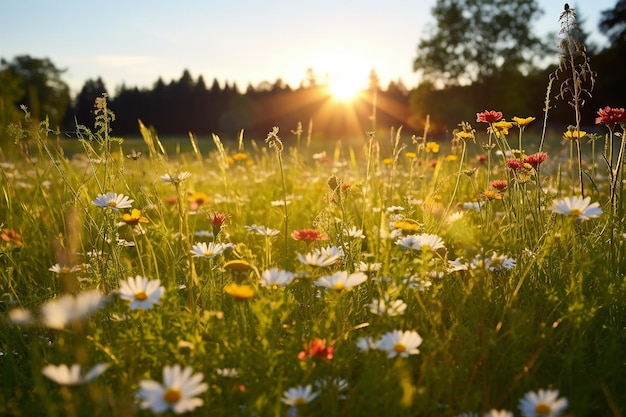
[[397, 276]]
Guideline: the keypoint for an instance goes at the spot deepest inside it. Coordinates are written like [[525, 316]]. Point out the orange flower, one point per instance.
[[240, 292], [317, 348], [134, 218], [12, 237]]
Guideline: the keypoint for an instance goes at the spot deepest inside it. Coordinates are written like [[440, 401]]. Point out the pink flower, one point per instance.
[[611, 116], [489, 116]]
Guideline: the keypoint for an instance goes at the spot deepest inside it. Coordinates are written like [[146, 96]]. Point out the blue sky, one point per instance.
[[243, 41]]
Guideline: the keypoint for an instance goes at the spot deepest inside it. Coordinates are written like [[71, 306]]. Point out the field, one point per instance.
[[393, 277]]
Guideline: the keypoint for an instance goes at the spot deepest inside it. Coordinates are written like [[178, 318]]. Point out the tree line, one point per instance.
[[482, 54]]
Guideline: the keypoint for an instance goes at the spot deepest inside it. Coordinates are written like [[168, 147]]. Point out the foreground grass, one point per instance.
[[506, 295]]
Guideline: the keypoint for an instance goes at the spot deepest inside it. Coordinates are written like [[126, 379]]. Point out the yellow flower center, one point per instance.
[[172, 395], [339, 286], [576, 212], [112, 203], [299, 401], [141, 296], [208, 253], [542, 409], [399, 347], [425, 248]]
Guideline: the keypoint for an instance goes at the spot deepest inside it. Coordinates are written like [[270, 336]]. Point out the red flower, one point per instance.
[[481, 159], [514, 164], [217, 220], [610, 116], [489, 116], [308, 234], [317, 348], [499, 185], [536, 159]]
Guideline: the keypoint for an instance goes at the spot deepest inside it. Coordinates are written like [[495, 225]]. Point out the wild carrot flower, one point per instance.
[[208, 250], [113, 201], [317, 349], [536, 159], [142, 292], [12, 237], [275, 277], [611, 116], [240, 292], [61, 311], [64, 375], [341, 280], [544, 403], [177, 393], [298, 396], [577, 207], [489, 116], [308, 235], [399, 343]]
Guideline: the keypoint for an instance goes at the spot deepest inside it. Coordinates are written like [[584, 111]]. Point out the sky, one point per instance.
[[134, 42]]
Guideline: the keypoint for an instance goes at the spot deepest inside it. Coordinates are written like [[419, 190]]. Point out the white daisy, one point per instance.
[[368, 267], [498, 413], [385, 307], [299, 395], [64, 269], [399, 343], [141, 292], [64, 375], [59, 312], [365, 344], [423, 242], [275, 277], [262, 230], [543, 403], [208, 250], [113, 201], [577, 207], [176, 178], [177, 393], [355, 233], [341, 280], [322, 257]]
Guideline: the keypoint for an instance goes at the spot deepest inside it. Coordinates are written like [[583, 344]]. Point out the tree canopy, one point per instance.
[[474, 39]]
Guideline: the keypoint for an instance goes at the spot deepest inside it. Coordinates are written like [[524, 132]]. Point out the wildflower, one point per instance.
[[577, 207], [499, 262], [176, 178], [407, 225], [322, 257], [217, 221], [321, 156], [611, 116], [308, 235], [498, 413], [134, 155], [262, 230], [299, 395], [197, 199], [523, 122], [177, 393], [113, 201], [385, 307], [12, 237], [355, 233], [536, 159], [394, 209], [499, 185], [470, 414], [341, 280], [473, 205], [492, 195], [500, 128], [544, 403], [228, 372], [424, 242], [237, 266], [317, 348], [207, 250], [410, 155], [399, 343], [336, 384], [368, 267], [432, 147], [240, 156], [489, 116], [63, 269], [465, 136], [240, 292], [365, 344], [134, 218], [64, 375], [20, 316], [59, 312], [572, 134], [142, 292], [275, 277], [387, 161]]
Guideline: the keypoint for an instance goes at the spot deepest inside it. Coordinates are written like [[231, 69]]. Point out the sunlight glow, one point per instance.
[[345, 73], [344, 87]]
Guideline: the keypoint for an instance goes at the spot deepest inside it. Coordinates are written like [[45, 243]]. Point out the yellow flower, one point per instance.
[[492, 195], [465, 135], [240, 292], [410, 155], [134, 218], [388, 161], [500, 128], [237, 266], [521, 122], [432, 147], [451, 158], [408, 225], [573, 135], [240, 156]]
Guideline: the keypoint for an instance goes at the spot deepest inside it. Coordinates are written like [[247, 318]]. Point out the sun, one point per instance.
[[346, 74], [345, 87]]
